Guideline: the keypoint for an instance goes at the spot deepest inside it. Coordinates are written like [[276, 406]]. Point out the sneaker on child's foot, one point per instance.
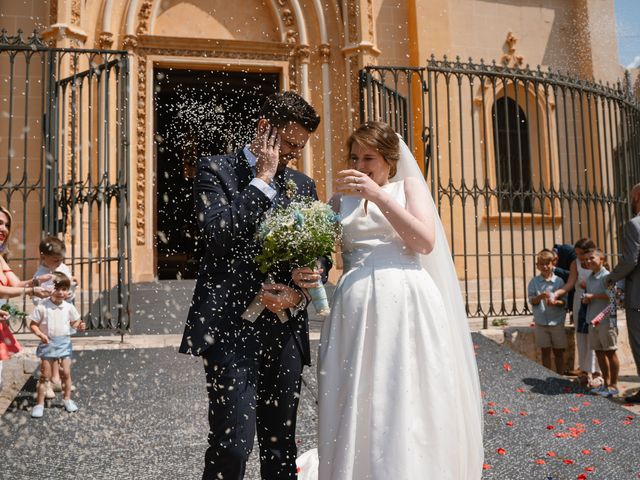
[[37, 411], [70, 406], [610, 392]]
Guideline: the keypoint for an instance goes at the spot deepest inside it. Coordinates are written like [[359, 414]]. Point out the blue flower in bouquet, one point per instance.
[[298, 218]]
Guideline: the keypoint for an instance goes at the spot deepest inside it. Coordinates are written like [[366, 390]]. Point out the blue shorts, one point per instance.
[[58, 347]]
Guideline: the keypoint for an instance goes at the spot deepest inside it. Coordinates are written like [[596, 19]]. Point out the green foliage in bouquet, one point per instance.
[[13, 311], [298, 234]]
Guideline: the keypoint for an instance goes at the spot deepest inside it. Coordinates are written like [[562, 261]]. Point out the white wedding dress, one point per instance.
[[399, 395]]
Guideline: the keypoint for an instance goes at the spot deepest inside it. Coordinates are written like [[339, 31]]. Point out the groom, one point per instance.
[[253, 367]]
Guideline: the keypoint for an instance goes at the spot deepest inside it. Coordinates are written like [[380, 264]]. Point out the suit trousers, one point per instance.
[[633, 329], [253, 381]]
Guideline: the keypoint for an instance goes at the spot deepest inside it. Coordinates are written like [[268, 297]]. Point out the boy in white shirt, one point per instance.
[[52, 255], [52, 321]]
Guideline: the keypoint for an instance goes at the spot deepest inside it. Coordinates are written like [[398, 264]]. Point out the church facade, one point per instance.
[[194, 71]]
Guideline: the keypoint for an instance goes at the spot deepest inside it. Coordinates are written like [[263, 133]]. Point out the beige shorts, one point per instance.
[[550, 336], [603, 337]]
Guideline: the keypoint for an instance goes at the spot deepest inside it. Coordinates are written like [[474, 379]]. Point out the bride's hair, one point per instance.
[[380, 137]]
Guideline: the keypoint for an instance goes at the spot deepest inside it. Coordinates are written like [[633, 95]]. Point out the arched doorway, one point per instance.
[[197, 113]]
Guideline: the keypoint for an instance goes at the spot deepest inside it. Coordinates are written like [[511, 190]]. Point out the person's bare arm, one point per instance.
[[571, 281]]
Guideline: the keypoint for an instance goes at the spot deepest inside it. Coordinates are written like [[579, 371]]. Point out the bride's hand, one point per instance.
[[306, 277], [355, 183]]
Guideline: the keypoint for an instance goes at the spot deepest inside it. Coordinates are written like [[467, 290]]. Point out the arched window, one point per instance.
[[513, 156]]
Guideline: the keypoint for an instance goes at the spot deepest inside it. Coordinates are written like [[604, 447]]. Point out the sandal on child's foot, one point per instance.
[[57, 386], [70, 406], [37, 411]]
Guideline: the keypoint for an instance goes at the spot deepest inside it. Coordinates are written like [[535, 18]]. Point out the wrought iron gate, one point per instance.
[[64, 149], [517, 160]]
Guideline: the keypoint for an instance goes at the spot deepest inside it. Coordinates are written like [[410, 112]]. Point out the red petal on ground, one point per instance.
[[574, 409], [589, 469], [582, 476], [595, 421], [552, 454], [560, 421], [491, 412], [523, 413], [520, 390], [506, 410], [586, 452], [491, 404], [550, 427], [568, 461], [540, 461], [509, 424], [586, 403], [607, 449], [486, 466], [507, 367], [501, 451]]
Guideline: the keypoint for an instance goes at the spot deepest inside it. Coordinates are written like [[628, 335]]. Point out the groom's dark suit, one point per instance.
[[253, 369]]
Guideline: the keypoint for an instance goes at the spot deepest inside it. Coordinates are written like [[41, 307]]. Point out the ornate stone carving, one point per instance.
[[352, 12], [75, 12], [325, 52], [510, 59], [143, 17], [141, 126], [370, 19], [303, 52], [129, 42], [105, 40], [287, 17], [292, 36]]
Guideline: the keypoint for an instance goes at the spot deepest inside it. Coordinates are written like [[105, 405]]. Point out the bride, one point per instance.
[[399, 395]]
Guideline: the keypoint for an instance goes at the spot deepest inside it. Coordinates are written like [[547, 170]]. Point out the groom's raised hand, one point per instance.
[[268, 151]]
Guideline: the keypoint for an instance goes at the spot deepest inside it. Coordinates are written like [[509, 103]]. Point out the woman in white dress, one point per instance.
[[399, 395]]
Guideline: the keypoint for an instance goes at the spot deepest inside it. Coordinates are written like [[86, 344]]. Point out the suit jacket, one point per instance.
[[228, 212], [629, 266]]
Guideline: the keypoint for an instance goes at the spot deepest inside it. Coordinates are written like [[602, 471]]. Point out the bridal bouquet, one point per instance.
[[298, 235]]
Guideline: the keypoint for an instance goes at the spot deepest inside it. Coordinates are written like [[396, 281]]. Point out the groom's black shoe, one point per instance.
[[633, 398]]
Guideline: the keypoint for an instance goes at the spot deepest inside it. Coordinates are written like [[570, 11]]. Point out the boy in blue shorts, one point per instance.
[[603, 328], [548, 311]]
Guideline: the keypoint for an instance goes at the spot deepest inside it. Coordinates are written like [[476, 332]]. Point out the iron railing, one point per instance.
[[517, 160], [64, 149]]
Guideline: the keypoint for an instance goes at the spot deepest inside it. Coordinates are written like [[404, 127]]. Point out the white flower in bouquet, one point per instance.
[[298, 235]]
